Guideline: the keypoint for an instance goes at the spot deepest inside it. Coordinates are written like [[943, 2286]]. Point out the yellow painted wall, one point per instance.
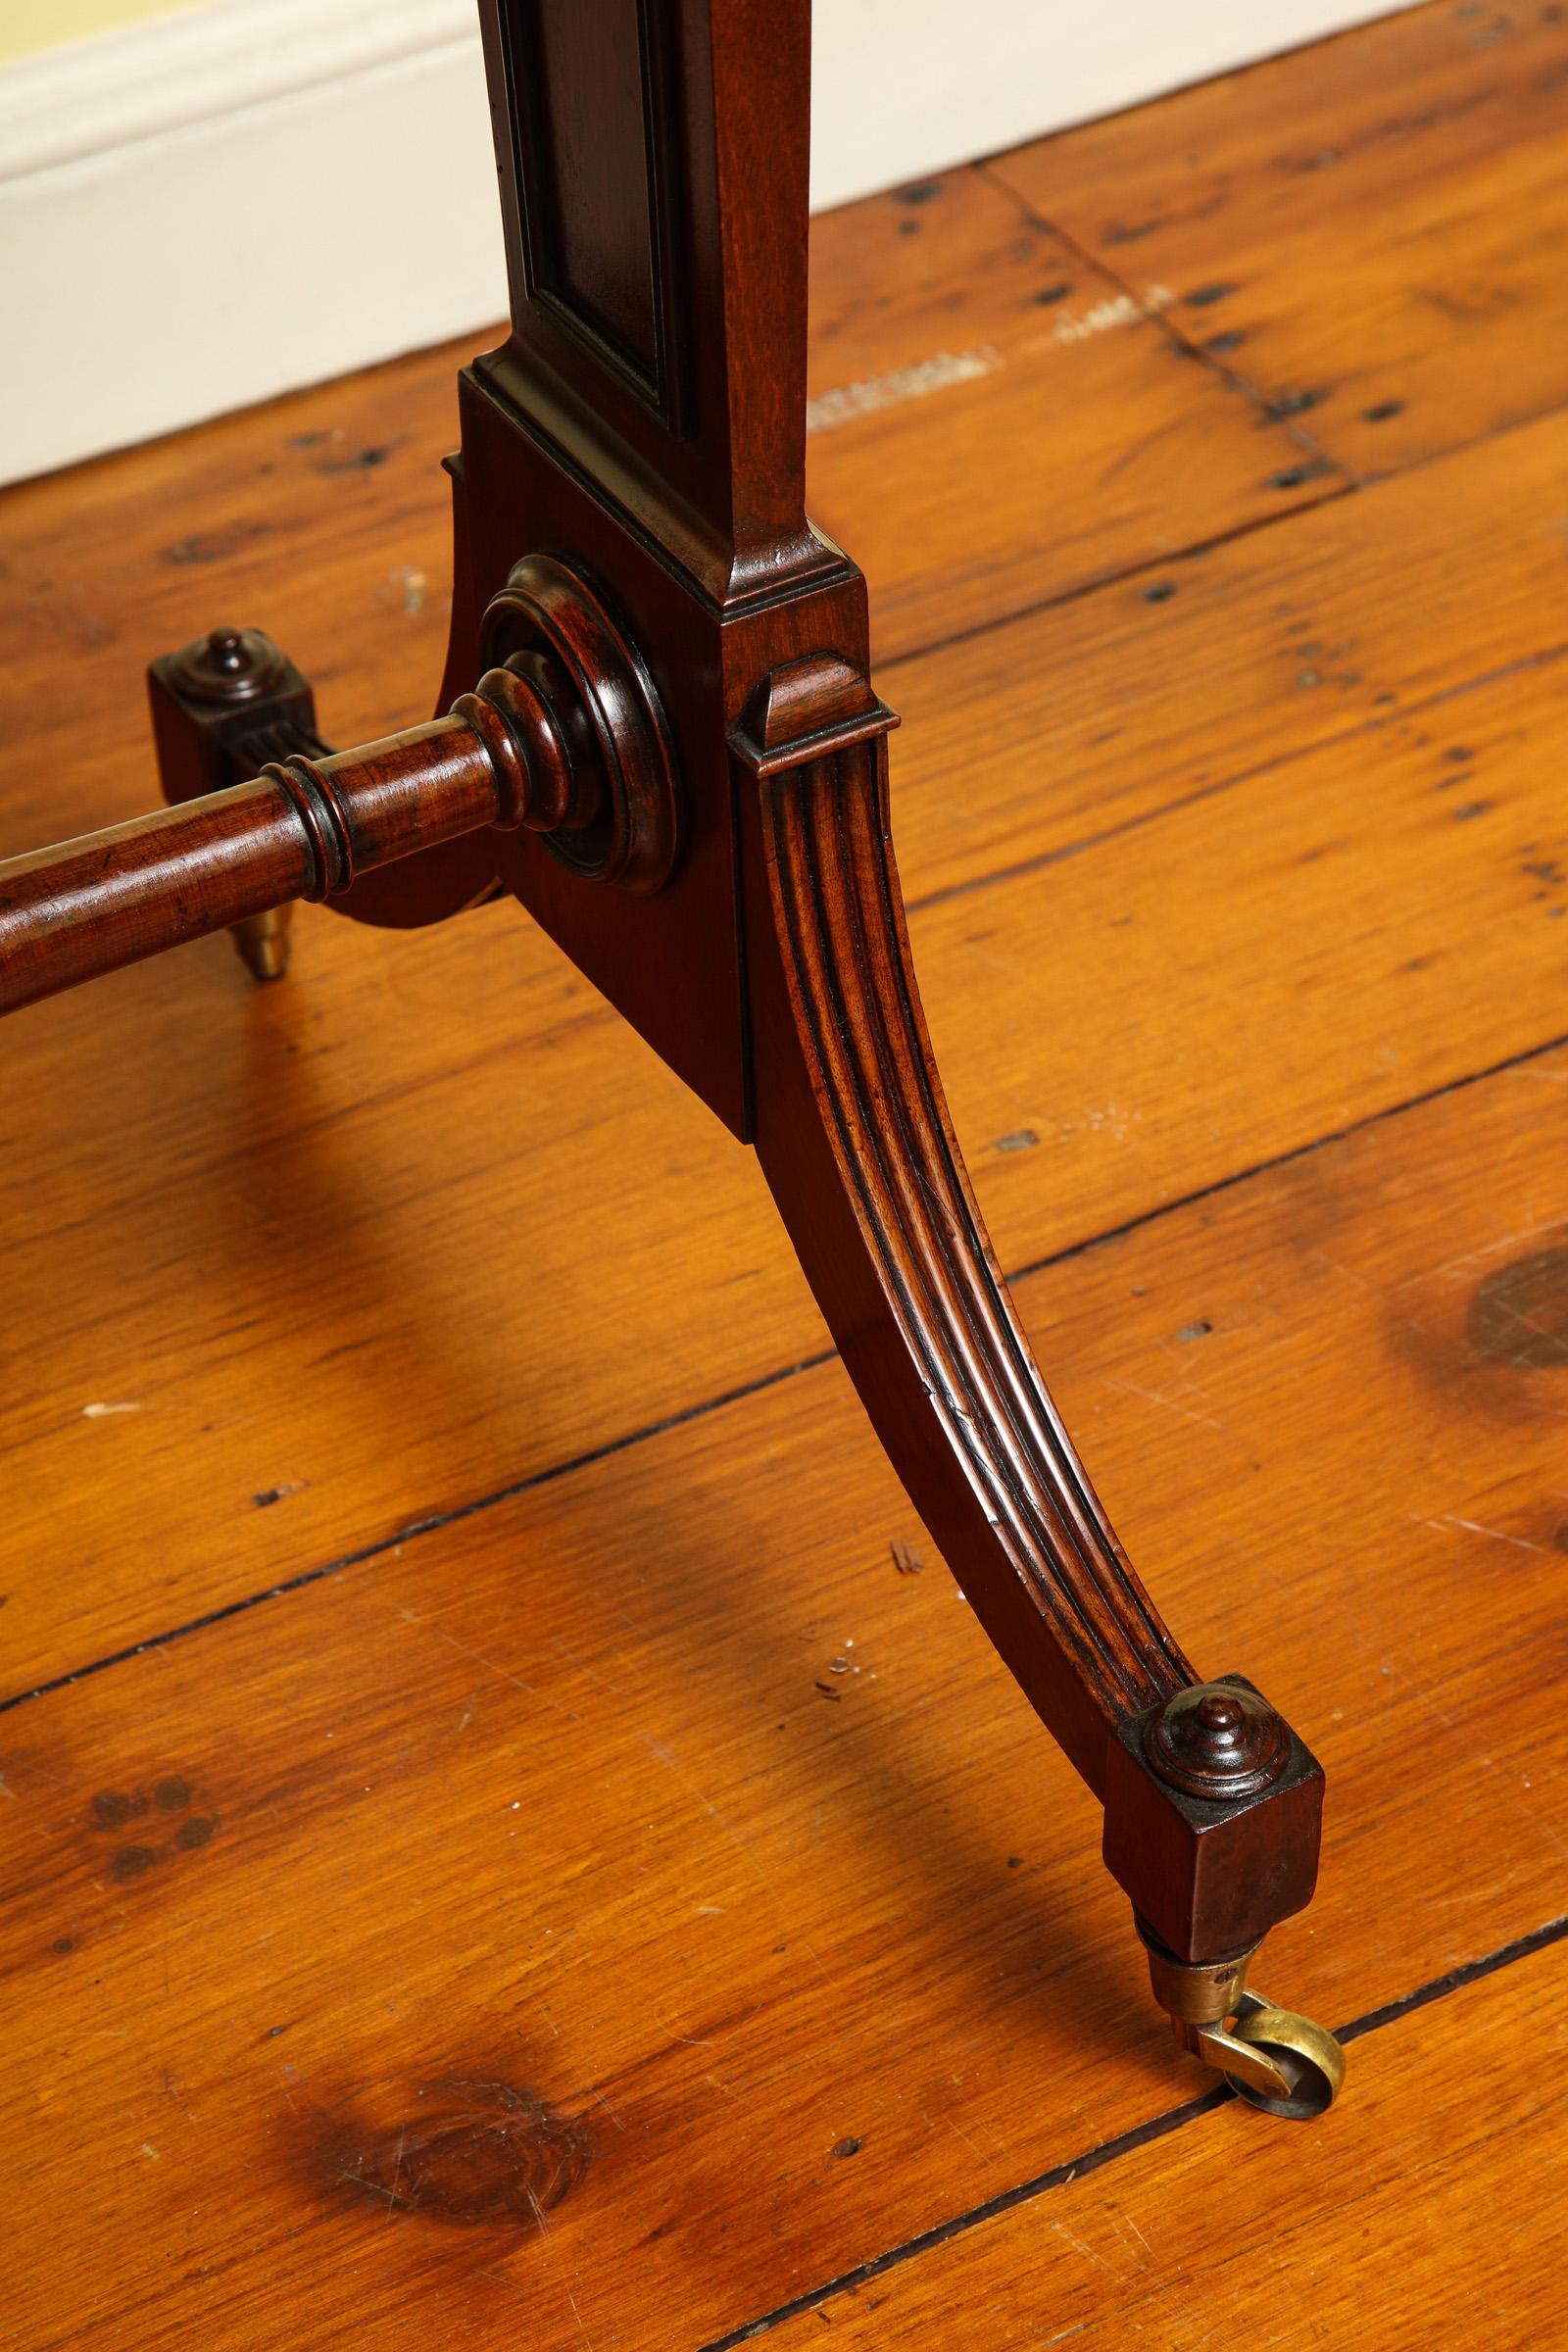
[[28, 26]]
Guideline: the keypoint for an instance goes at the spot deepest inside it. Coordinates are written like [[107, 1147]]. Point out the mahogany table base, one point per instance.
[[662, 740]]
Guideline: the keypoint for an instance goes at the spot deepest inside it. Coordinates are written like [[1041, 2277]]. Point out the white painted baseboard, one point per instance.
[[220, 204]]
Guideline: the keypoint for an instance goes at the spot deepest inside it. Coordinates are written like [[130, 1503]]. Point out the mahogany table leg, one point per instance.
[[1212, 1805], [678, 766]]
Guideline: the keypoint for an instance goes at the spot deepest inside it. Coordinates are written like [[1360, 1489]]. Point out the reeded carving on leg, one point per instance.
[[957, 1397], [858, 1147]]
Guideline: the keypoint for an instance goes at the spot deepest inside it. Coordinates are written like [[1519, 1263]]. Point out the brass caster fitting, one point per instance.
[[262, 942], [1270, 2057]]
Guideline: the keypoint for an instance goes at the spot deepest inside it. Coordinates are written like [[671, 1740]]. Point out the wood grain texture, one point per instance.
[[557, 1849], [1143, 2253], [581, 1801], [274, 1224], [855, 1142], [1076, 435], [1343, 236], [300, 828], [321, 517], [1233, 658]]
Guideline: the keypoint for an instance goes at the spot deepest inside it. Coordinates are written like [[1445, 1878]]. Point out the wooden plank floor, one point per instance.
[[449, 1896]]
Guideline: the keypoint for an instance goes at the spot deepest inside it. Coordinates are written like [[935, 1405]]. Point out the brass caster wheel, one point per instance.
[[1270, 2057], [1306, 2061]]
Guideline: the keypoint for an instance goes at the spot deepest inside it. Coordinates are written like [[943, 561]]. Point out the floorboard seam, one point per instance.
[[1127, 2143], [1178, 89], [1352, 483], [432, 1522], [1357, 487], [1320, 457], [429, 1524], [885, 664], [1543, 658]]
